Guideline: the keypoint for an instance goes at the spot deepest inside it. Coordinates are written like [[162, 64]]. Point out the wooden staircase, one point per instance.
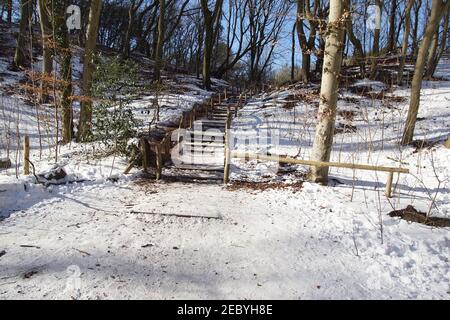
[[202, 146]]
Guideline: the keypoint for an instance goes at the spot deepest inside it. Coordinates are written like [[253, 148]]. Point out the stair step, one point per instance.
[[216, 151], [199, 167], [205, 133], [204, 145]]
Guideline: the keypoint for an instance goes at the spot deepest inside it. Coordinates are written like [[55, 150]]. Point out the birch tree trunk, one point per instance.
[[405, 41], [84, 127], [323, 139], [437, 9]]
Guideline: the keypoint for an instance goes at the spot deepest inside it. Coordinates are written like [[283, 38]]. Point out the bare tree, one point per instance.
[[437, 10], [134, 7], [359, 50], [376, 42], [436, 53], [405, 41], [84, 127], [160, 40], [47, 52], [306, 12], [20, 57], [392, 19], [211, 19], [329, 89], [415, 40]]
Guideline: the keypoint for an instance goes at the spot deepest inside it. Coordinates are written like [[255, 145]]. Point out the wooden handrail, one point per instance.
[[246, 155], [318, 163]]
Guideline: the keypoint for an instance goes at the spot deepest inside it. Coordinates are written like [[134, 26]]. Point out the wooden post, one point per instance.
[[225, 94], [226, 169], [179, 130], [389, 185], [158, 162], [26, 156], [145, 153]]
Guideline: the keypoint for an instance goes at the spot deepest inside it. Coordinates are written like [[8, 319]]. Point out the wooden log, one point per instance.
[[26, 156], [179, 215]]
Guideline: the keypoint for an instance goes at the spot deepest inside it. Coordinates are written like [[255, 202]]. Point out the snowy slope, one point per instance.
[[86, 241]]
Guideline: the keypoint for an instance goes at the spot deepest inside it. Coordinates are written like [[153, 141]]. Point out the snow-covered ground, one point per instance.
[[101, 239]]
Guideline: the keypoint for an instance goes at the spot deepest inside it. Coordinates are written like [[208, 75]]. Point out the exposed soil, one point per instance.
[[347, 114], [410, 214], [263, 186], [345, 128], [423, 144]]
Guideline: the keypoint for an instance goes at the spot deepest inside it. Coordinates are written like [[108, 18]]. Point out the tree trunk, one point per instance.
[[432, 25], [293, 54], [305, 72], [376, 44], [444, 42], [21, 58], [210, 18], [160, 41], [126, 42], [323, 139], [64, 55], [431, 55], [415, 44], [47, 52], [84, 127], [207, 54], [10, 7], [359, 51], [306, 67], [405, 41], [391, 35]]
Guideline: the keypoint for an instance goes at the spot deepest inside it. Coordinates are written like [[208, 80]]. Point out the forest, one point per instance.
[[224, 149]]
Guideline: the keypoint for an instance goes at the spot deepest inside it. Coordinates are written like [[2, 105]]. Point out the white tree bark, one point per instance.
[[329, 89]]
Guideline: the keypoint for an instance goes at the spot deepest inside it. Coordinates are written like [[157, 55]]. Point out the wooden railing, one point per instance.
[[244, 155]]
